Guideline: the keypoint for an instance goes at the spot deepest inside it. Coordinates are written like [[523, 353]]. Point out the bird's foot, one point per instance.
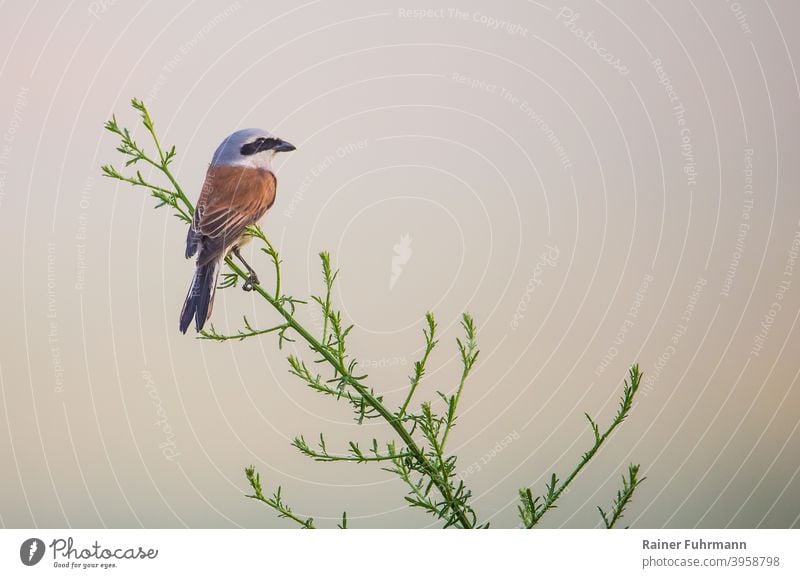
[[251, 282]]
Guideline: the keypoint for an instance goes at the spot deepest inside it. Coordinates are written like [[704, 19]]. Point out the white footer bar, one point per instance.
[[407, 553]]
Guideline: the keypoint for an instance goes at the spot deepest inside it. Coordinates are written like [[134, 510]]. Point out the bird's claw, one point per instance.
[[251, 282]]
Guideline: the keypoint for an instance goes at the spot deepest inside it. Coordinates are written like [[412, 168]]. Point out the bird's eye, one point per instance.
[[258, 145]]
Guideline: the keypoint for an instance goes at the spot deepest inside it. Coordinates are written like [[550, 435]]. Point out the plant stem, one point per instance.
[[426, 458], [419, 367], [363, 391], [625, 406], [163, 165]]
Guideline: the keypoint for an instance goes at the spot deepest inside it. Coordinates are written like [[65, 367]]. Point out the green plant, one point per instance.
[[418, 454]]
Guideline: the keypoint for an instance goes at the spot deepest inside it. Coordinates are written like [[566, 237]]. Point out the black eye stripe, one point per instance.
[[258, 145]]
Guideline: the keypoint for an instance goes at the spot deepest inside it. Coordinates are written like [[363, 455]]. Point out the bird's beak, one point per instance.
[[283, 147]]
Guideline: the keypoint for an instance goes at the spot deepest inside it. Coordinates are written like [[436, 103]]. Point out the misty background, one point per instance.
[[598, 183]]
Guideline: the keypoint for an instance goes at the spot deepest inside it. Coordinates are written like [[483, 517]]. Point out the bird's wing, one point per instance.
[[231, 199]]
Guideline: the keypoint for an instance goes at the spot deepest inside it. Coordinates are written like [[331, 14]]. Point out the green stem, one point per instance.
[[364, 392], [430, 343], [450, 422], [162, 165], [334, 458], [336, 360], [214, 336], [625, 405]]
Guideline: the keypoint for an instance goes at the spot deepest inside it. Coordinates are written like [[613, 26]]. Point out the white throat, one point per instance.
[[261, 161]]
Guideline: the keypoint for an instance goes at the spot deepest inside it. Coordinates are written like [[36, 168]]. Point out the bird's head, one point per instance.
[[250, 147]]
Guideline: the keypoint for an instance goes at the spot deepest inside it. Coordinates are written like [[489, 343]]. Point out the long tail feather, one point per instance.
[[200, 298]]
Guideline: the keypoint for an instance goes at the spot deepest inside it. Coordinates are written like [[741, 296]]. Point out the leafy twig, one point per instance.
[[624, 496], [418, 456], [419, 366], [532, 509], [275, 501], [355, 453], [249, 331]]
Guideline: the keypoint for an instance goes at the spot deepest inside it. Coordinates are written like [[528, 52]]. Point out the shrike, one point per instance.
[[238, 191]]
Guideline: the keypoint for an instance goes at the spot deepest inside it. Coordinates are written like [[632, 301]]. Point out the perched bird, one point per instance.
[[239, 189]]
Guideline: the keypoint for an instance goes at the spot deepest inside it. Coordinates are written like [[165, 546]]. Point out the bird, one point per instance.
[[238, 190]]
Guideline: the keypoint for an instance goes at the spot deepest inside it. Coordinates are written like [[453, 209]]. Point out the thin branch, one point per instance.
[[164, 159], [423, 465], [530, 510], [275, 501], [356, 454], [249, 331], [419, 366], [469, 354], [624, 496]]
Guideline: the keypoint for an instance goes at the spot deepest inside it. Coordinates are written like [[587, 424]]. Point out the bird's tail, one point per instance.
[[200, 298]]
